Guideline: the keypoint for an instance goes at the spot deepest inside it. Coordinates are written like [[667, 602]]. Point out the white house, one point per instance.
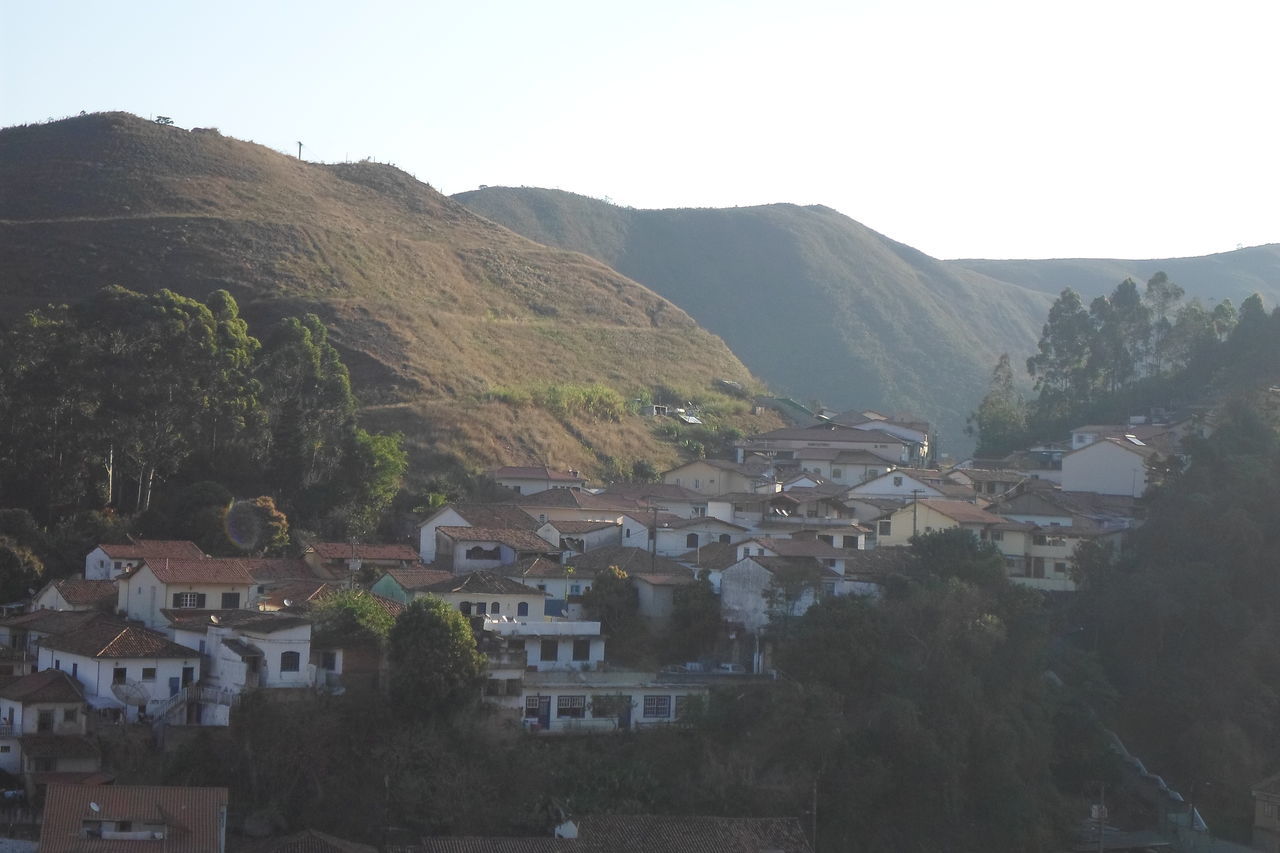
[[528, 480], [488, 594], [910, 483], [1109, 466], [145, 666], [76, 594], [548, 645], [494, 516], [470, 549], [43, 728], [205, 584], [582, 536], [109, 561]]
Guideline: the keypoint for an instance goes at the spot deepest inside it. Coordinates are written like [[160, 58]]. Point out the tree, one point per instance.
[[435, 668], [20, 570], [1000, 423], [614, 601], [352, 614], [257, 526], [695, 620], [372, 473], [1060, 366]]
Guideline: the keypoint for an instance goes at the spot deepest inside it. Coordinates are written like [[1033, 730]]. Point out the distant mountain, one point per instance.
[[813, 302], [1228, 275], [432, 306]]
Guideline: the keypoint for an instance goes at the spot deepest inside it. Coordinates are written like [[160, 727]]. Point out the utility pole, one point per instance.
[[299, 150], [915, 512]]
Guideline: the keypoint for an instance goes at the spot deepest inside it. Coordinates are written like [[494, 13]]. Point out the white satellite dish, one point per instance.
[[95, 807], [213, 617], [132, 693]]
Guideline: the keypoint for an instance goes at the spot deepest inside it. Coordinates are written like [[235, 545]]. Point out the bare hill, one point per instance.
[[433, 306], [815, 303], [1227, 275]]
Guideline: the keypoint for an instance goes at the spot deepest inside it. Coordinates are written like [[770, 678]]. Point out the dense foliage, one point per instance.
[[435, 668]]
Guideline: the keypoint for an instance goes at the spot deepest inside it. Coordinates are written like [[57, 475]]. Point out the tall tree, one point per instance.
[[435, 668], [1000, 423], [1060, 366]]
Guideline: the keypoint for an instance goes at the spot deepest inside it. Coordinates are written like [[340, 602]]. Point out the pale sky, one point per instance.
[[965, 129]]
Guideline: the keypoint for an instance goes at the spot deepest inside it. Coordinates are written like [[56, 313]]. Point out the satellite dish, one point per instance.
[[95, 807], [288, 602], [213, 617], [132, 693]]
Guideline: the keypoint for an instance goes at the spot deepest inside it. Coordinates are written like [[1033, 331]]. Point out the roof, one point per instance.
[[682, 579], [518, 472], [59, 746], [629, 560], [534, 567], [647, 833], [51, 685], [58, 621], [276, 569], [649, 492], [1133, 445], [413, 579], [961, 511], [114, 641], [207, 570], [754, 468], [577, 499], [714, 556], [483, 582], [241, 649], [492, 515], [307, 841], [569, 528], [141, 549], [801, 548], [361, 551], [83, 593], [298, 592], [194, 817], [518, 540], [886, 560]]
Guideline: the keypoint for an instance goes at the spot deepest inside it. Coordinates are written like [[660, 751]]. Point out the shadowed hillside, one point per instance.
[[1228, 275], [815, 303], [432, 306]]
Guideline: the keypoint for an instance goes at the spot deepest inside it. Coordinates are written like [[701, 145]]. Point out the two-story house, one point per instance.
[[205, 584], [44, 728], [529, 480], [490, 516], [76, 594], [106, 562], [79, 818]]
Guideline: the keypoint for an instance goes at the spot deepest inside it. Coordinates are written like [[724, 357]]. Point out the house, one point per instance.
[[1109, 466], [352, 661], [339, 561], [988, 482], [668, 498], [1266, 815], [24, 632], [531, 480], [722, 476], [909, 483], [842, 467], [76, 594], [565, 505], [493, 516], [915, 433], [121, 818], [404, 585], [797, 506], [581, 536], [485, 593], [1044, 558], [564, 585], [109, 561], [791, 443], [929, 515], [207, 583], [44, 729], [674, 535], [759, 589], [656, 595], [468, 549], [123, 669], [307, 841], [643, 834]]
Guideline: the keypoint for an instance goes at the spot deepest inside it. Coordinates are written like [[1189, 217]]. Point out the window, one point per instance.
[[493, 609], [522, 609], [479, 552], [187, 600], [897, 481], [884, 528], [628, 532], [75, 669], [57, 663], [724, 538], [119, 675], [44, 765], [6, 748], [465, 607], [657, 706], [550, 650], [290, 661], [700, 511], [44, 722], [329, 661], [997, 536], [480, 608], [231, 601], [873, 472], [691, 541], [515, 489], [69, 715], [1060, 568], [682, 705], [531, 704], [575, 589], [837, 473], [148, 673], [571, 706], [582, 649]]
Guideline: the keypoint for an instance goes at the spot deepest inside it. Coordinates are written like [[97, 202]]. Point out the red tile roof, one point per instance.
[[519, 540], [962, 512], [491, 515], [412, 579], [276, 569], [174, 549], [486, 583], [51, 685], [209, 570], [194, 817], [113, 641], [361, 551], [82, 593]]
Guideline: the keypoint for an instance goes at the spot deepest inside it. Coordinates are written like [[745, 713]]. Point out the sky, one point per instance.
[[993, 129]]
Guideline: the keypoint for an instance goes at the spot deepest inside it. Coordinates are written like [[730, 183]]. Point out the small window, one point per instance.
[[724, 538], [628, 532], [493, 609], [187, 600], [582, 649], [691, 541], [329, 661], [522, 609], [884, 528], [69, 715], [465, 607], [575, 589], [657, 706], [6, 749], [837, 473], [997, 536], [571, 706], [897, 481], [119, 675], [480, 608], [290, 661], [231, 601], [531, 704], [75, 670], [550, 650], [148, 673]]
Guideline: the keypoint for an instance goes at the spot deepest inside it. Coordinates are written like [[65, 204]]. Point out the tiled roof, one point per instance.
[[296, 593], [889, 560], [82, 593], [494, 515], [194, 817], [961, 511], [487, 583], [715, 556], [307, 841], [113, 641], [276, 569], [58, 746], [142, 549], [51, 685], [58, 621], [569, 528], [577, 500], [683, 579], [517, 472], [651, 492], [209, 570], [519, 540], [630, 560], [535, 567], [413, 579], [361, 551], [802, 548]]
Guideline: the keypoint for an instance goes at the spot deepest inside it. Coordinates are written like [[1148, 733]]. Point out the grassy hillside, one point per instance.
[[432, 306], [813, 302], [1228, 275]]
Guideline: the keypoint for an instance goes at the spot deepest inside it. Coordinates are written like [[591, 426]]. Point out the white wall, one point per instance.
[[96, 675], [1105, 468]]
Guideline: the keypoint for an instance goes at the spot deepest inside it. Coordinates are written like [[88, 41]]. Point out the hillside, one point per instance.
[[432, 306], [1228, 275], [813, 302]]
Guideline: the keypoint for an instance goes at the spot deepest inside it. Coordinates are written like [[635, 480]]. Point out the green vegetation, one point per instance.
[[435, 668], [594, 401]]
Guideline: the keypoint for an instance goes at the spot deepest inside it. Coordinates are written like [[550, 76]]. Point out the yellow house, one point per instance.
[[928, 516]]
